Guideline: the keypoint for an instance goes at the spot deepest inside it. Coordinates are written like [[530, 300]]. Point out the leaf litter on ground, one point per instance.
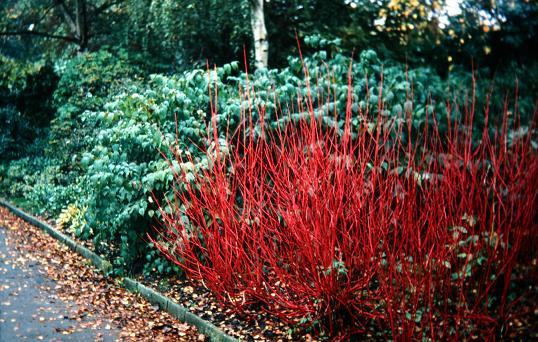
[[94, 301], [100, 302]]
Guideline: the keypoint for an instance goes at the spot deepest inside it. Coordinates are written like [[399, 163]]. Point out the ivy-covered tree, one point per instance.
[[77, 23], [187, 33]]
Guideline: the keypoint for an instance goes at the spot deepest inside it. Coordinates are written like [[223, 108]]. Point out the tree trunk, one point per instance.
[[77, 20], [261, 44], [82, 24]]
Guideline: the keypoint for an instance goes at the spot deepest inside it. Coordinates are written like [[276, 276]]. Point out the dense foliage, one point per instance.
[[26, 105], [110, 110], [171, 35]]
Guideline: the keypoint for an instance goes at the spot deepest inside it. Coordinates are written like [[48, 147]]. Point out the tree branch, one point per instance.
[[40, 34], [68, 17]]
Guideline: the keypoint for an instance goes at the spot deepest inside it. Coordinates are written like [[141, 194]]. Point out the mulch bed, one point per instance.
[[250, 324]]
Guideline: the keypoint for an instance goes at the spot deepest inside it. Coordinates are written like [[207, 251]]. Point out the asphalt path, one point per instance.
[[30, 310]]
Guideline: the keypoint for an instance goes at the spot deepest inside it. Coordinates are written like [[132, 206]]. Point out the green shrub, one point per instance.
[[124, 167], [506, 83], [73, 219], [14, 178], [85, 84], [40, 182]]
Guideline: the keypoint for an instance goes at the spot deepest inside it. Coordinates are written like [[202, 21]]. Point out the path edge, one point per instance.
[[165, 303]]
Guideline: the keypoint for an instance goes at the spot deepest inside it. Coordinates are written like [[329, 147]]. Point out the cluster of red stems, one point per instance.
[[372, 233]]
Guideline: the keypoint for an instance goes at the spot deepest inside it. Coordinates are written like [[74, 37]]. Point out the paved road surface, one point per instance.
[[29, 308]]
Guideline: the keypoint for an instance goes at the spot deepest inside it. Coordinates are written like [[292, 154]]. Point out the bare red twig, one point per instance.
[[365, 233]]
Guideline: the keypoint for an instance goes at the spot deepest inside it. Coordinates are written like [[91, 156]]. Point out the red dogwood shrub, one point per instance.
[[360, 231]]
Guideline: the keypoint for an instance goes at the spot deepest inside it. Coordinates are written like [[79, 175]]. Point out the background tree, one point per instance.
[[187, 33], [259, 33], [348, 21], [410, 30], [168, 35], [76, 22], [494, 33]]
